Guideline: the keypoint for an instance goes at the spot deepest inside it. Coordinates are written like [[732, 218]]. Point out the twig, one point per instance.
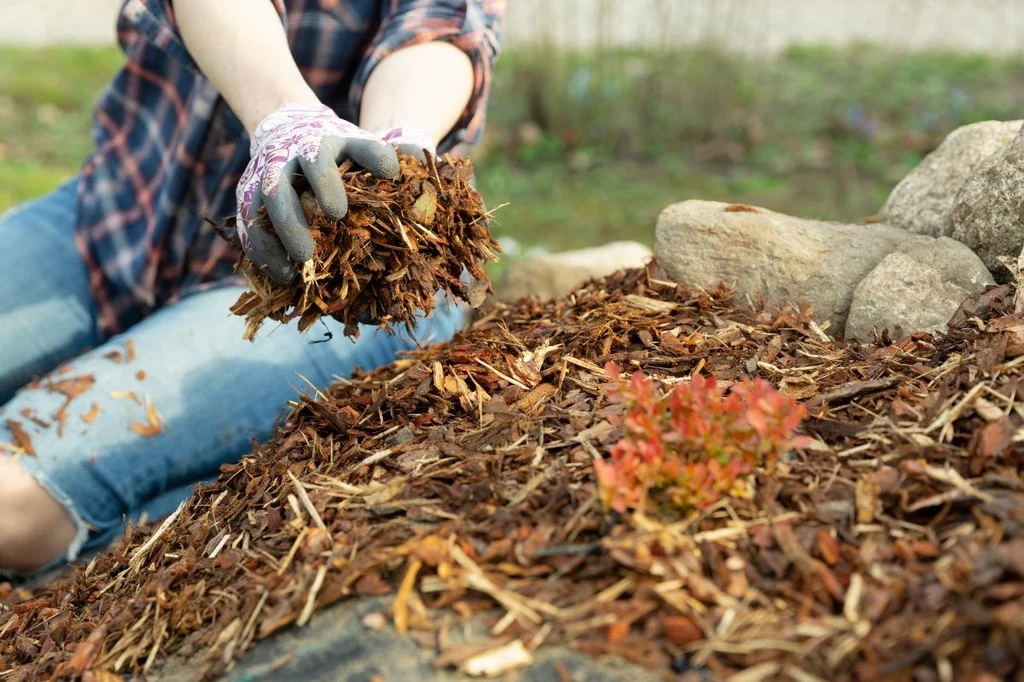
[[139, 555], [314, 590], [306, 502]]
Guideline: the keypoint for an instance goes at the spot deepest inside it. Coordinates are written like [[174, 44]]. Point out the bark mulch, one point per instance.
[[401, 242], [460, 482]]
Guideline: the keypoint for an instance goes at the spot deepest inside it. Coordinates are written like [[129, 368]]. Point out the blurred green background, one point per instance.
[[585, 148]]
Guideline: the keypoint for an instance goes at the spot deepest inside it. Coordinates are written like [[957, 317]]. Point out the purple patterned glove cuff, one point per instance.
[[410, 135]]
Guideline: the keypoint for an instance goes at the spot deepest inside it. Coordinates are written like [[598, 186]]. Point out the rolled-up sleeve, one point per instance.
[[154, 21], [473, 26]]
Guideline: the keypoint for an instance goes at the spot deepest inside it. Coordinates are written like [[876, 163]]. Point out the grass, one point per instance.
[[818, 132], [553, 205], [586, 148], [45, 102]]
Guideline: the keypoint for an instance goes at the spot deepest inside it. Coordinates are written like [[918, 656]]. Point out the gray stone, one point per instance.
[[917, 288], [556, 274], [337, 645], [988, 215], [781, 258], [923, 200]]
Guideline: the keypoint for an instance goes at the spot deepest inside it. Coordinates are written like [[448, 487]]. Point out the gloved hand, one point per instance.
[[310, 138], [411, 141]]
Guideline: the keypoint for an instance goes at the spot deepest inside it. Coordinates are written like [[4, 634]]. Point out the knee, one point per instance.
[[35, 529]]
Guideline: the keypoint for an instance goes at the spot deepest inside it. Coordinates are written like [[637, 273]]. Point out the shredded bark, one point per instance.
[[90, 416], [460, 479], [21, 438], [401, 243]]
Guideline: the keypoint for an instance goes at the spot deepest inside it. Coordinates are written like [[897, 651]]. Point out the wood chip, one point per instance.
[[400, 243], [152, 426], [90, 416], [21, 437], [73, 387], [499, 661], [461, 480]]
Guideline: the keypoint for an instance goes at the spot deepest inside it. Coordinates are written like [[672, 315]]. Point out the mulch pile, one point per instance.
[[400, 243], [460, 481]]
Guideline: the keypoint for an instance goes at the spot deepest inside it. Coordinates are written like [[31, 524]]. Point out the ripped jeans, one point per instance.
[[120, 427]]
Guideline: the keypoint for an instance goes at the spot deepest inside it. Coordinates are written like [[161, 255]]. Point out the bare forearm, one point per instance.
[[241, 46], [427, 86]]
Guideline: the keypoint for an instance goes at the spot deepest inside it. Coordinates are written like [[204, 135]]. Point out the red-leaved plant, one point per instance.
[[687, 447]]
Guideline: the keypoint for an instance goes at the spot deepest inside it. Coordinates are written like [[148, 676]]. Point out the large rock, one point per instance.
[[988, 215], [336, 645], [916, 288], [556, 274], [760, 252], [922, 201]]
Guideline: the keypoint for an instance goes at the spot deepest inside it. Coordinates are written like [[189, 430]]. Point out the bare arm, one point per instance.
[[427, 86], [241, 47]]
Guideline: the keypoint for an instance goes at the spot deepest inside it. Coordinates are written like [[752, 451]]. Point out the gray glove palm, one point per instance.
[[307, 138]]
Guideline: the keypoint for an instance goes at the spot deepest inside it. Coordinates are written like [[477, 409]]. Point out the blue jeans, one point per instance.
[[144, 431]]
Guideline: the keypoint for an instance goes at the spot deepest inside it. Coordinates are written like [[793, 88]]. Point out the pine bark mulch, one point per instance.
[[459, 481]]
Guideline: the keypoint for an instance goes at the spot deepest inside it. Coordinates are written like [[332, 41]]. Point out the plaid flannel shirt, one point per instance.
[[169, 151]]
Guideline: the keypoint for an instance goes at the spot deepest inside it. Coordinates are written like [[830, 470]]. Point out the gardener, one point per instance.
[[118, 274]]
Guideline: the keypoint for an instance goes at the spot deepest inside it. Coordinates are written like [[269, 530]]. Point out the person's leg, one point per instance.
[[46, 317], [142, 432], [46, 313]]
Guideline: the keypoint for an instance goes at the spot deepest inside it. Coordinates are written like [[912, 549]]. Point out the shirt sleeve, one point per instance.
[[154, 21], [473, 26]]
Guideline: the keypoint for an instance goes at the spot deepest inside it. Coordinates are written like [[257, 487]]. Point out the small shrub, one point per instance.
[[685, 448]]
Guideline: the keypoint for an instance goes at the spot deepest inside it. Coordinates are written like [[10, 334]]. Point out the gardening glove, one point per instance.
[[306, 137], [412, 141]]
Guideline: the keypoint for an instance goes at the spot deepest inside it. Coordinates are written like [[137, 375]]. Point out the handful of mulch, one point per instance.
[[401, 243]]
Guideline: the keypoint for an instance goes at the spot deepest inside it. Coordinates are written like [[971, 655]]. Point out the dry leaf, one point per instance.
[[425, 208]]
